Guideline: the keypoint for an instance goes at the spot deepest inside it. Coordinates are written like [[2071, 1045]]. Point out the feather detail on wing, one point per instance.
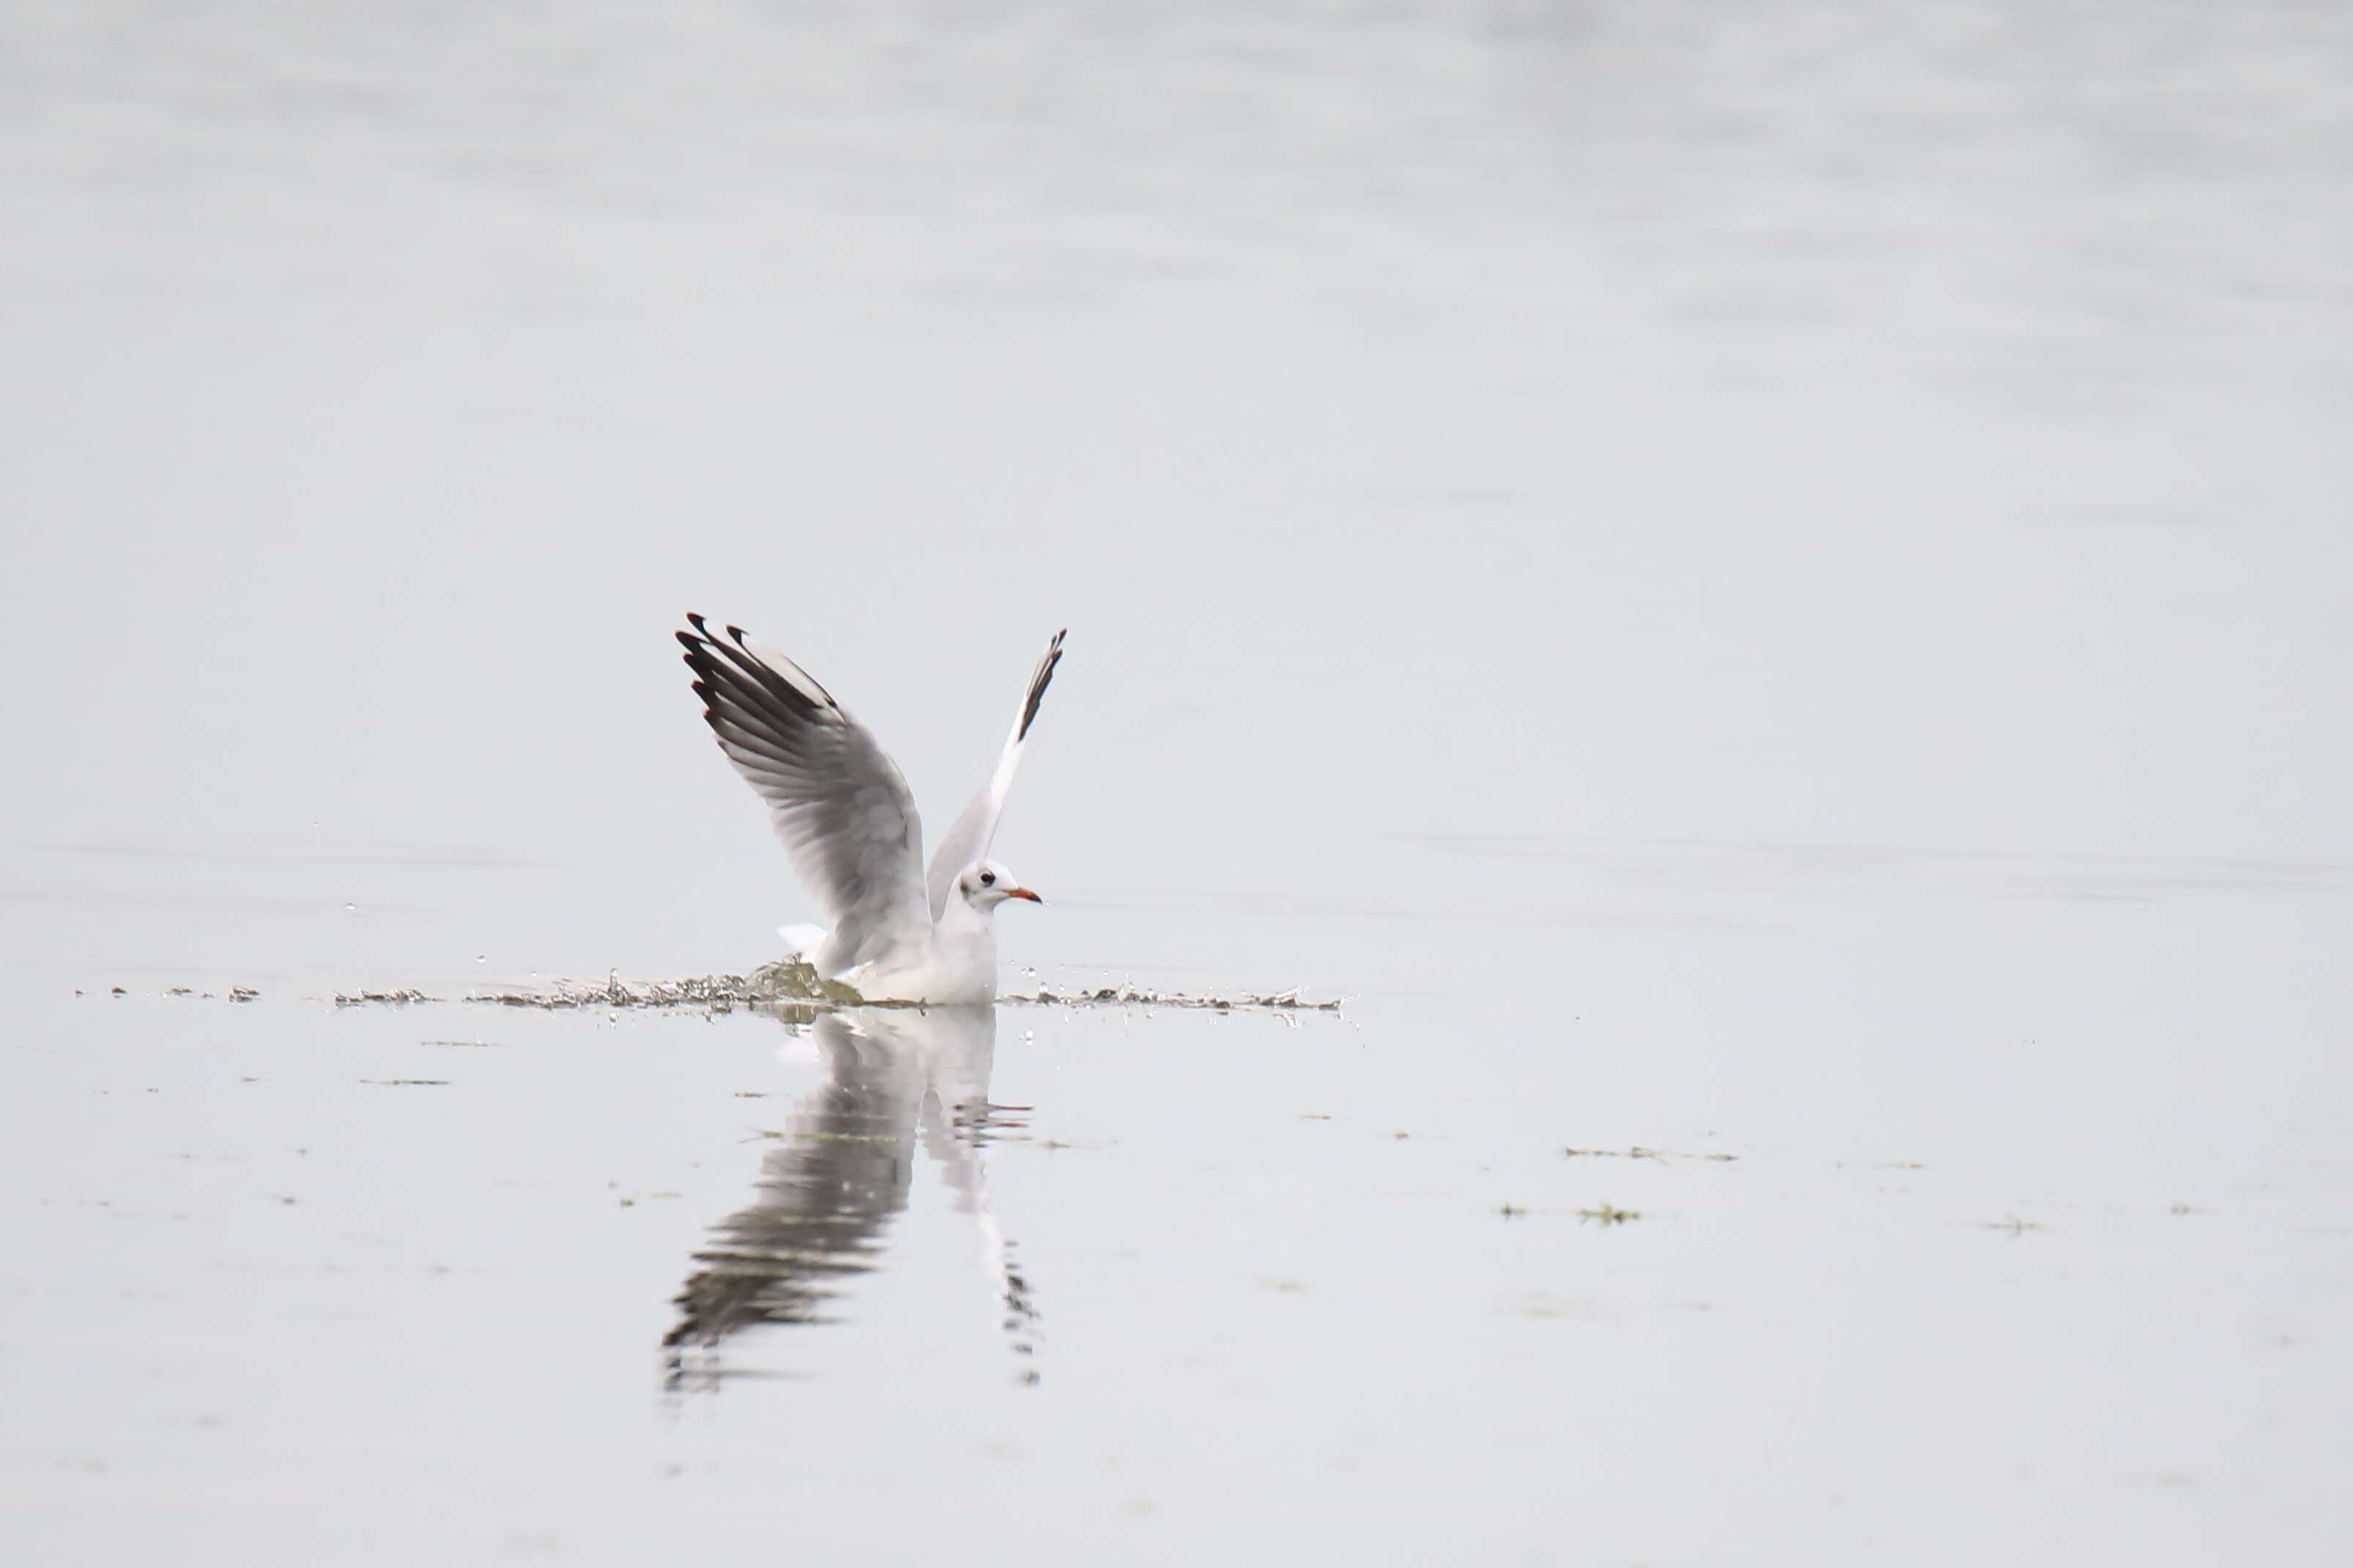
[[969, 839], [834, 796]]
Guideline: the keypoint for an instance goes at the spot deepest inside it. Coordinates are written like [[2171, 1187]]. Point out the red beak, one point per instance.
[[1023, 893]]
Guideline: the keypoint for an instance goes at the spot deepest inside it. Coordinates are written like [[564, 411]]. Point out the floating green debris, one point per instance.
[[1133, 996], [794, 989], [1636, 1152], [381, 998], [775, 986]]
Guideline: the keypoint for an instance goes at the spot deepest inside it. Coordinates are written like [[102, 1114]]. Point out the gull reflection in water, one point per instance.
[[837, 1174]]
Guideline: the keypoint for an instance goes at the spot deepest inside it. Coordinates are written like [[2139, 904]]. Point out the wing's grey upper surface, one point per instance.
[[836, 798], [968, 839]]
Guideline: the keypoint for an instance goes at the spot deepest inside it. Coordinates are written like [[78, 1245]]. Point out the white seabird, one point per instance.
[[900, 933]]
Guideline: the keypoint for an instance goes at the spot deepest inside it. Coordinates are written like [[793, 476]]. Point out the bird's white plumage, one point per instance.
[[847, 819], [970, 838]]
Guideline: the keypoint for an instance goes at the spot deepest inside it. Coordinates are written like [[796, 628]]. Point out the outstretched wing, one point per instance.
[[968, 840], [836, 798]]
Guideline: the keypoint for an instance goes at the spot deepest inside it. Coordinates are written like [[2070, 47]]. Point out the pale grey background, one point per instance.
[[1766, 577]]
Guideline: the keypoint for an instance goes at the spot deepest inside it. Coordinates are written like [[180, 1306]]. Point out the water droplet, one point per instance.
[[481, 958], [351, 909]]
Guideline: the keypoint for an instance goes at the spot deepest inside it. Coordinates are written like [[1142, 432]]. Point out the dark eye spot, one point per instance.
[[988, 878]]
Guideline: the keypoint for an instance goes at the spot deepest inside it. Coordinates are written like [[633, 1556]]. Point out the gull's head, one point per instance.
[[985, 884]]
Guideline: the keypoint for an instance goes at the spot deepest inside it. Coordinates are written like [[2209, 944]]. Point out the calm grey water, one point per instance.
[[1760, 581]]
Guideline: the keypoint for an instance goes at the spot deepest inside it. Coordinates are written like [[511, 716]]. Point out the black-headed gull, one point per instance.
[[900, 933]]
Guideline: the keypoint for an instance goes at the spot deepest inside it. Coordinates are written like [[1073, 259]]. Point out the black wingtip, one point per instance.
[[1044, 677]]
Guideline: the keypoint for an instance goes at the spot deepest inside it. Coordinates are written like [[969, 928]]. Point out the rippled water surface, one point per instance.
[[1763, 590]]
